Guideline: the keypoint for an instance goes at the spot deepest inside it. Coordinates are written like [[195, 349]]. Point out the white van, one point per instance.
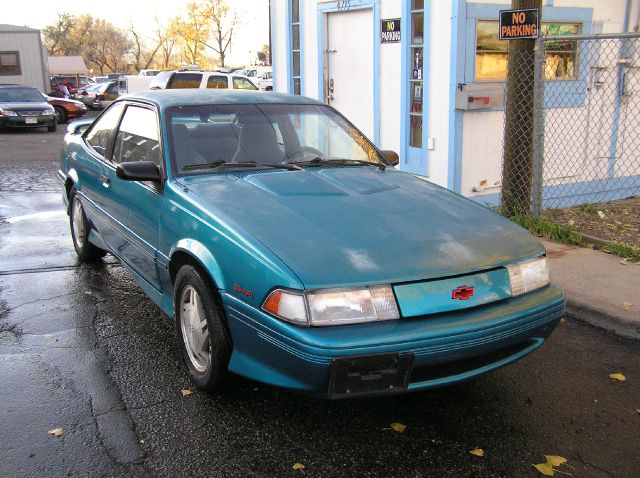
[[133, 83]]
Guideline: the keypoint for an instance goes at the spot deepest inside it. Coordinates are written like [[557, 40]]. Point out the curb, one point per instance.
[[602, 319], [595, 240]]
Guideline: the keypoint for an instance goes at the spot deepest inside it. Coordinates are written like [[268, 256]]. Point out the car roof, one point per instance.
[[202, 96]]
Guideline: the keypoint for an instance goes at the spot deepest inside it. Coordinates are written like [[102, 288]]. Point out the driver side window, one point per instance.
[[100, 133], [137, 138]]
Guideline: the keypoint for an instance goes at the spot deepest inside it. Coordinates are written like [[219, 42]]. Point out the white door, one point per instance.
[[349, 66]]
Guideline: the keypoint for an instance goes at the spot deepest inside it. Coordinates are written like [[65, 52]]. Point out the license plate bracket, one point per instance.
[[31, 120], [369, 375]]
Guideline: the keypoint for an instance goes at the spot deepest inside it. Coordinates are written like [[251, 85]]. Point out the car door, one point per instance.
[[96, 176], [138, 139]]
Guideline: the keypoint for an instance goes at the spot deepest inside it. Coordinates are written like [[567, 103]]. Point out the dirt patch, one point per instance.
[[613, 221]]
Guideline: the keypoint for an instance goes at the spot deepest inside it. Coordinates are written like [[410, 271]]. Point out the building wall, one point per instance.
[[467, 145], [29, 46]]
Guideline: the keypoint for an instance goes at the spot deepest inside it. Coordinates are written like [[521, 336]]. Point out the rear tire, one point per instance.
[[201, 329], [79, 225]]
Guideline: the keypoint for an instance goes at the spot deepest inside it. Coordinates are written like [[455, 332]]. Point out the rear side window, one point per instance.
[[240, 83], [98, 136], [219, 82], [185, 80], [137, 138]]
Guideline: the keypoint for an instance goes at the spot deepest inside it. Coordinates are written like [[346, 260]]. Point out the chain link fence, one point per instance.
[[573, 131]]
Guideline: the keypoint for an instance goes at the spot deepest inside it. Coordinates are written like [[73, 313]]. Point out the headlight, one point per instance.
[[529, 275], [334, 307], [48, 112], [8, 112]]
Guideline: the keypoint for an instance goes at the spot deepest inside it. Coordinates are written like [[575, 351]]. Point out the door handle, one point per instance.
[[105, 180]]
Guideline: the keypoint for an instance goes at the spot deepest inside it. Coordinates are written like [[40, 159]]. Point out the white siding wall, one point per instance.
[[31, 58], [481, 130]]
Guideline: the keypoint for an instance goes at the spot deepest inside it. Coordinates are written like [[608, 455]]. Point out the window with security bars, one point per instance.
[[491, 53], [295, 46]]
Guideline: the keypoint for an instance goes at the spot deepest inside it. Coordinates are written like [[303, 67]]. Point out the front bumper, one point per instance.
[[21, 121], [393, 356]]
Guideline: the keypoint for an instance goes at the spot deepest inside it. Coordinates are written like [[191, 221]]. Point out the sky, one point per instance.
[[250, 36]]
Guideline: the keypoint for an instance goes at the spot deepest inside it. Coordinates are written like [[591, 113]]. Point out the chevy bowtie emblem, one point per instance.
[[463, 292]]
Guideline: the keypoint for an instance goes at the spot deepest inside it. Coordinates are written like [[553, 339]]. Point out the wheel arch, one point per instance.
[[190, 251]]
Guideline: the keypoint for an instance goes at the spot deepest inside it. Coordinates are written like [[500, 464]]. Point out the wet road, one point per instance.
[[82, 348]]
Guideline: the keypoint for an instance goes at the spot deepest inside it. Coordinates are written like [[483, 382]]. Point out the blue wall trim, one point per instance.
[[414, 160], [329, 7], [456, 74], [289, 43], [573, 194], [272, 60]]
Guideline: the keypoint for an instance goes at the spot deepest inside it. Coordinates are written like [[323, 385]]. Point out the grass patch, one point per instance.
[[623, 250], [588, 208], [550, 230]]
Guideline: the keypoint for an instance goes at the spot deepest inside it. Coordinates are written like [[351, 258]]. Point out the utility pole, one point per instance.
[[517, 165]]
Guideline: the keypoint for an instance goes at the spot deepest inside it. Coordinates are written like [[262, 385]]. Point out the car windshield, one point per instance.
[[18, 95], [212, 138]]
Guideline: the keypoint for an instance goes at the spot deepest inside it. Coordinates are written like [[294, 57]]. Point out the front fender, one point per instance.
[[198, 251]]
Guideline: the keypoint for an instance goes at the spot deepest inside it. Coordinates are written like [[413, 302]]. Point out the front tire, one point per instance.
[[52, 128], [61, 114], [201, 329], [79, 225]]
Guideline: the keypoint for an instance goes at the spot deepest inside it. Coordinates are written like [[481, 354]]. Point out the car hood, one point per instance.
[[25, 106], [344, 226]]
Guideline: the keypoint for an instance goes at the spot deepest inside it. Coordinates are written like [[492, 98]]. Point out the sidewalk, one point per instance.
[[600, 288]]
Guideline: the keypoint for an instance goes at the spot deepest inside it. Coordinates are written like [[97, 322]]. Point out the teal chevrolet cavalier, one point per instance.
[[289, 250]]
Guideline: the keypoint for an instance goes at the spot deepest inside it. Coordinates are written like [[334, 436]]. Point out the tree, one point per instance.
[[192, 32], [223, 21], [143, 56], [166, 39], [57, 37]]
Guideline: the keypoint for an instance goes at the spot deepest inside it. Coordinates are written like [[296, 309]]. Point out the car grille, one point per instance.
[[29, 113]]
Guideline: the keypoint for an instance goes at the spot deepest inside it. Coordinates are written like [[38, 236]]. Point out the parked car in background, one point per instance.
[[70, 81], [254, 73], [25, 107], [66, 109], [105, 94], [200, 79], [94, 95], [100, 79], [265, 81], [149, 72], [132, 83], [290, 251]]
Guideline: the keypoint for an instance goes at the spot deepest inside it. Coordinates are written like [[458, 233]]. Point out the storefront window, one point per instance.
[[416, 73], [491, 52], [295, 46]]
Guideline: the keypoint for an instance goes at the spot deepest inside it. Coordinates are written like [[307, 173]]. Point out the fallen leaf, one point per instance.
[[397, 427], [562, 321], [572, 222], [477, 452], [623, 262], [555, 460], [600, 214], [627, 305], [298, 466], [545, 468], [617, 376], [56, 432], [185, 392]]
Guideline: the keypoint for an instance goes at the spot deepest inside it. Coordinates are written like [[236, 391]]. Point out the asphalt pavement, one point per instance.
[[83, 349]]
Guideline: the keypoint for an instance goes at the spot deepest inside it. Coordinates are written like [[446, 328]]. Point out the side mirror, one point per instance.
[[391, 157], [78, 127], [138, 171]]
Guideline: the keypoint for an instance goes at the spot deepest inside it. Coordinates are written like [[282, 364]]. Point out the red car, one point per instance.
[[66, 109]]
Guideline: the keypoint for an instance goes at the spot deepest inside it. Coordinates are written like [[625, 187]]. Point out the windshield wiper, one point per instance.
[[246, 164], [318, 160]]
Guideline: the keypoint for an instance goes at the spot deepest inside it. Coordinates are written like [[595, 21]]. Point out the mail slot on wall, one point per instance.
[[478, 97]]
